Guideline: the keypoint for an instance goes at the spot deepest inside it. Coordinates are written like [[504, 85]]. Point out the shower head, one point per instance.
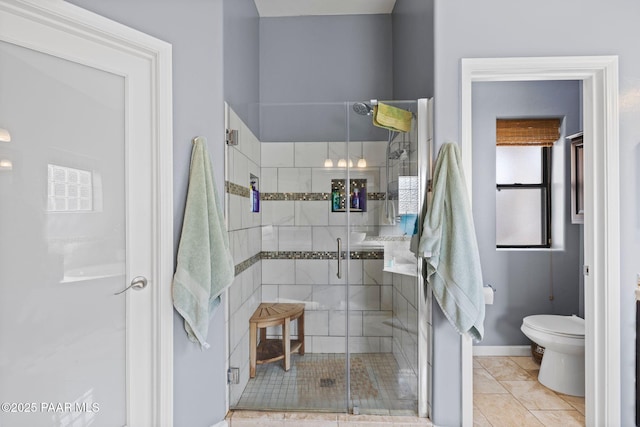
[[399, 154], [362, 108]]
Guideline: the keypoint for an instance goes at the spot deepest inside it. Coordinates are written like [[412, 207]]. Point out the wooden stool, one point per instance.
[[274, 314]]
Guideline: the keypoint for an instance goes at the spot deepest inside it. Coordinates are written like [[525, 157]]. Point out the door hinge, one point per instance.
[[232, 137], [233, 376]]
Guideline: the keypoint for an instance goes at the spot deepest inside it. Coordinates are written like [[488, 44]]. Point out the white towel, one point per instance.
[[205, 266], [453, 269]]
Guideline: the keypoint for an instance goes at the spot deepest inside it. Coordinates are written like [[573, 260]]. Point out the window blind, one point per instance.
[[527, 132]]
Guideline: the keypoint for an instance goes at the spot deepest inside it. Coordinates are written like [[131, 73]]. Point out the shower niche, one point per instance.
[[357, 189]]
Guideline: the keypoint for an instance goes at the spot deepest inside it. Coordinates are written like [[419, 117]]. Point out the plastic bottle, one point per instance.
[[335, 201], [355, 199]]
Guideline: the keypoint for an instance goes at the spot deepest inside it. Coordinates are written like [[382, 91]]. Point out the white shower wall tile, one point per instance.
[[235, 294], [337, 323], [246, 138], [247, 286], [316, 322], [310, 154], [235, 209], [375, 152], [239, 245], [321, 178], [386, 297], [364, 344], [400, 308], [373, 274], [328, 344], [324, 238], [312, 272], [412, 321], [269, 238], [278, 272], [375, 212], [294, 293], [337, 151], [294, 180], [312, 213], [254, 240], [294, 239], [364, 297], [269, 180], [269, 293], [355, 271], [386, 344], [277, 212], [329, 297], [240, 169], [410, 289], [240, 352], [338, 219], [277, 154], [377, 323]]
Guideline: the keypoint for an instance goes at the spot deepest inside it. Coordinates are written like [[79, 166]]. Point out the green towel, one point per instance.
[[205, 266], [392, 118], [448, 235]]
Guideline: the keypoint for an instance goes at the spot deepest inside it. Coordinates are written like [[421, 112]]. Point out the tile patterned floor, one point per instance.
[[506, 393], [299, 419], [317, 382]]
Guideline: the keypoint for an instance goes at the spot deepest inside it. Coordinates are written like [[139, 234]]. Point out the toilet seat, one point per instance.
[[564, 326]]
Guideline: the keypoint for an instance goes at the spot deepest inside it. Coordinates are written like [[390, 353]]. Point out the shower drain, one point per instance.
[[327, 382]]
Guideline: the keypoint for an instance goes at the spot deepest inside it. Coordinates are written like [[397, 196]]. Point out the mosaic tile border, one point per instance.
[[319, 255], [295, 196], [309, 196], [306, 255], [239, 190], [387, 238], [236, 189], [247, 263], [375, 196]]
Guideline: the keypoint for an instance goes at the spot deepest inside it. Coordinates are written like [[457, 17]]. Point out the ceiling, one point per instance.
[[273, 8]]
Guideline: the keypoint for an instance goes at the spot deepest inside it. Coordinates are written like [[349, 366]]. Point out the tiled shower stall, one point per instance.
[[286, 252]]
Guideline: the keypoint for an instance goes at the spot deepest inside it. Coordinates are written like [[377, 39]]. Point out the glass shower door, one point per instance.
[[383, 274]]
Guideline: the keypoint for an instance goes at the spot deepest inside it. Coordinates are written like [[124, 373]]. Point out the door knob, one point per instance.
[[138, 283]]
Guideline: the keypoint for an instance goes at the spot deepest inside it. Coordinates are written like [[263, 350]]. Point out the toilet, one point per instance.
[[562, 337]]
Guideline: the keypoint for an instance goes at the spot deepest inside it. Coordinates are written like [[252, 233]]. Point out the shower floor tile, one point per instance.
[[317, 382]]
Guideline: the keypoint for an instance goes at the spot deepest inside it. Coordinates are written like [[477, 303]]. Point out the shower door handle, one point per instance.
[[339, 240]]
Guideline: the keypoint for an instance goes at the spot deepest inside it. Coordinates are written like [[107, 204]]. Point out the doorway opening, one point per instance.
[[599, 77]]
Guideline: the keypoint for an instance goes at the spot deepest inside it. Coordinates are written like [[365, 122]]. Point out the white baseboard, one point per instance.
[[222, 423], [502, 350]]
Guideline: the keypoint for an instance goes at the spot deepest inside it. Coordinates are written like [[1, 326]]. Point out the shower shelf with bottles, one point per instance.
[[357, 190]]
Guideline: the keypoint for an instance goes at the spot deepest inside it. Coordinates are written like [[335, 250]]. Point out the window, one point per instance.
[[523, 182], [70, 190]]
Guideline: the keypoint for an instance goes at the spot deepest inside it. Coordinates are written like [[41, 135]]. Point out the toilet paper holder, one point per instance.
[[488, 292]]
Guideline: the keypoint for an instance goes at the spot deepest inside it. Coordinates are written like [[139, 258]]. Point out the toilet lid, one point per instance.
[[560, 325]]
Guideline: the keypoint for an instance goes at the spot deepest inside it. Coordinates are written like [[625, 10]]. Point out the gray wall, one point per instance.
[[499, 28], [413, 49], [324, 60], [242, 60], [522, 278], [194, 28]]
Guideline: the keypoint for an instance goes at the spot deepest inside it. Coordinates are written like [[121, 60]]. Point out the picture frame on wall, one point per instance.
[[577, 178]]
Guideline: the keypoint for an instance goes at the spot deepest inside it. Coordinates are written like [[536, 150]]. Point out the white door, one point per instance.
[[79, 223]]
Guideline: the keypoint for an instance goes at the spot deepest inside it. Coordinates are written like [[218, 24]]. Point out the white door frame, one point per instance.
[[70, 32], [599, 76]]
